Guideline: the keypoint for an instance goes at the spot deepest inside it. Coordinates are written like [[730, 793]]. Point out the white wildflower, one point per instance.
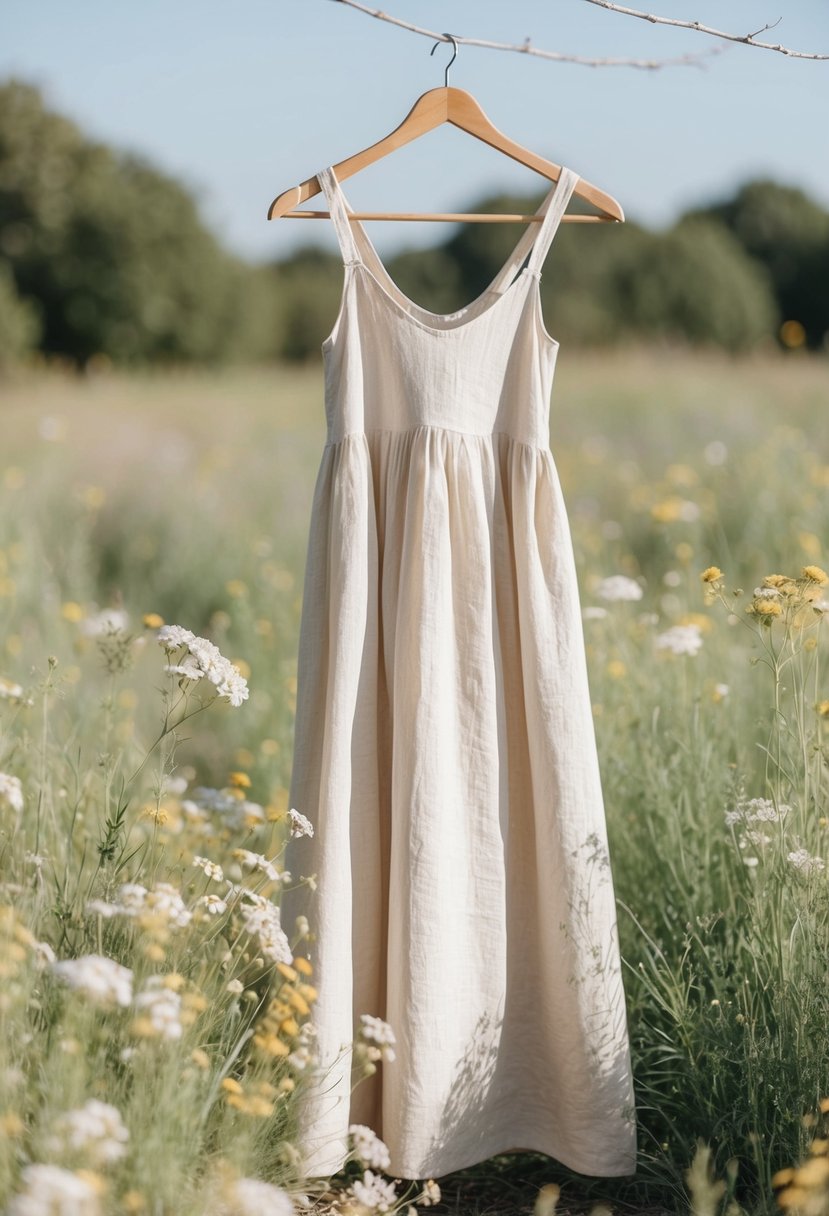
[[721, 690], [619, 587], [300, 826], [103, 980], [10, 690], [111, 620], [262, 922], [100, 907], [95, 1130], [203, 660], [593, 612], [162, 1007], [368, 1147], [250, 1197], [255, 861], [213, 905], [235, 987], [374, 1192], [211, 868], [11, 792], [375, 1030], [680, 639], [237, 812], [52, 1191], [802, 860]]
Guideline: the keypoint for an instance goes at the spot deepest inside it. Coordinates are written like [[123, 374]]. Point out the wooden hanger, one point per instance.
[[431, 110]]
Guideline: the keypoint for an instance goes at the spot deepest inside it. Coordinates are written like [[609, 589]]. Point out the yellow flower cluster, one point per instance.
[[279, 1027], [804, 1188], [256, 1100]]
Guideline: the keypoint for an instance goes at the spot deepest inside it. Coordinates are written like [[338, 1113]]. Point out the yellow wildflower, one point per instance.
[[305, 967], [711, 574], [239, 778], [151, 620], [815, 574]]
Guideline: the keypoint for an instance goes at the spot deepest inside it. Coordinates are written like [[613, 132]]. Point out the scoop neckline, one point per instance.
[[407, 306]]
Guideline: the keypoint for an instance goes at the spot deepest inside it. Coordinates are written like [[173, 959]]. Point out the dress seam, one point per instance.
[[428, 426]]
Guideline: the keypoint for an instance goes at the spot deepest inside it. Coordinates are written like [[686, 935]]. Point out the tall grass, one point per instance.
[[185, 500]]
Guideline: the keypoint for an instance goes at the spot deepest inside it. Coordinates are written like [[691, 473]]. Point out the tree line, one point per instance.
[[103, 257]]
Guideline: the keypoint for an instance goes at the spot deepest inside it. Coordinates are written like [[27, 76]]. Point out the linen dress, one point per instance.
[[444, 745]]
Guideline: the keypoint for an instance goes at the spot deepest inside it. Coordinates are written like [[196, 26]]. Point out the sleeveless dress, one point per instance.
[[444, 746]]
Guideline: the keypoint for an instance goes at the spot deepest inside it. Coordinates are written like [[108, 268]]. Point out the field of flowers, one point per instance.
[[156, 1017]]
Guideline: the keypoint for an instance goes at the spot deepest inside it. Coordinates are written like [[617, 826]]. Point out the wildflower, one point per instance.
[[51, 1190], [711, 574], [250, 1197], [300, 826], [203, 661], [815, 574], [236, 812], [368, 1147], [430, 1194], [101, 979], [213, 905], [593, 612], [239, 779], [235, 987], [211, 868], [720, 691], [680, 639], [803, 861], [375, 1030], [255, 861], [374, 1192], [619, 587], [262, 922], [110, 620], [95, 1130], [11, 792], [161, 1017], [10, 690]]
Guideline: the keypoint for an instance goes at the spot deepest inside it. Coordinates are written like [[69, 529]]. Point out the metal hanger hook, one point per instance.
[[452, 39]]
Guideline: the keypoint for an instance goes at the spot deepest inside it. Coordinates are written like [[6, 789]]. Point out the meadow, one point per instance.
[[143, 811]]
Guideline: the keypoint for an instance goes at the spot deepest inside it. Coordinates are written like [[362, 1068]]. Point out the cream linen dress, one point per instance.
[[444, 744]]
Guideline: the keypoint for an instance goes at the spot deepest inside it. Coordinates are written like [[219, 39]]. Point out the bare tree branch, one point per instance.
[[748, 39], [526, 48], [693, 59]]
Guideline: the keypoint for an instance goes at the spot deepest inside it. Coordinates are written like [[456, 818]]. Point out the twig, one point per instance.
[[526, 47], [748, 39]]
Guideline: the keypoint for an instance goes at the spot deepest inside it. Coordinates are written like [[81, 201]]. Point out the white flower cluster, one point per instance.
[[262, 921], [95, 1131], [802, 860], [52, 1191], [109, 620], [749, 812], [237, 812], [374, 1192], [376, 1031], [300, 826], [304, 1054], [212, 869], [11, 792], [256, 862], [162, 1006], [203, 660], [211, 905], [251, 1197], [104, 981], [619, 587], [10, 690], [680, 639], [368, 1147], [162, 903]]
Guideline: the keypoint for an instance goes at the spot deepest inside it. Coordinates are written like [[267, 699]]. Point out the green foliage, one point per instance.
[[695, 282], [787, 233], [114, 251], [19, 322]]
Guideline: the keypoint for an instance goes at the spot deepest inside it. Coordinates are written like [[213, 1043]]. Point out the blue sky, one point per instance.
[[242, 101]]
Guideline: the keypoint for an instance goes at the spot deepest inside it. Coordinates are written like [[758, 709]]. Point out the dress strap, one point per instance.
[[565, 185], [339, 215]]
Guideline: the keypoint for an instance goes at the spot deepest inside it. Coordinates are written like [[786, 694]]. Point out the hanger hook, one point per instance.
[[451, 38]]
